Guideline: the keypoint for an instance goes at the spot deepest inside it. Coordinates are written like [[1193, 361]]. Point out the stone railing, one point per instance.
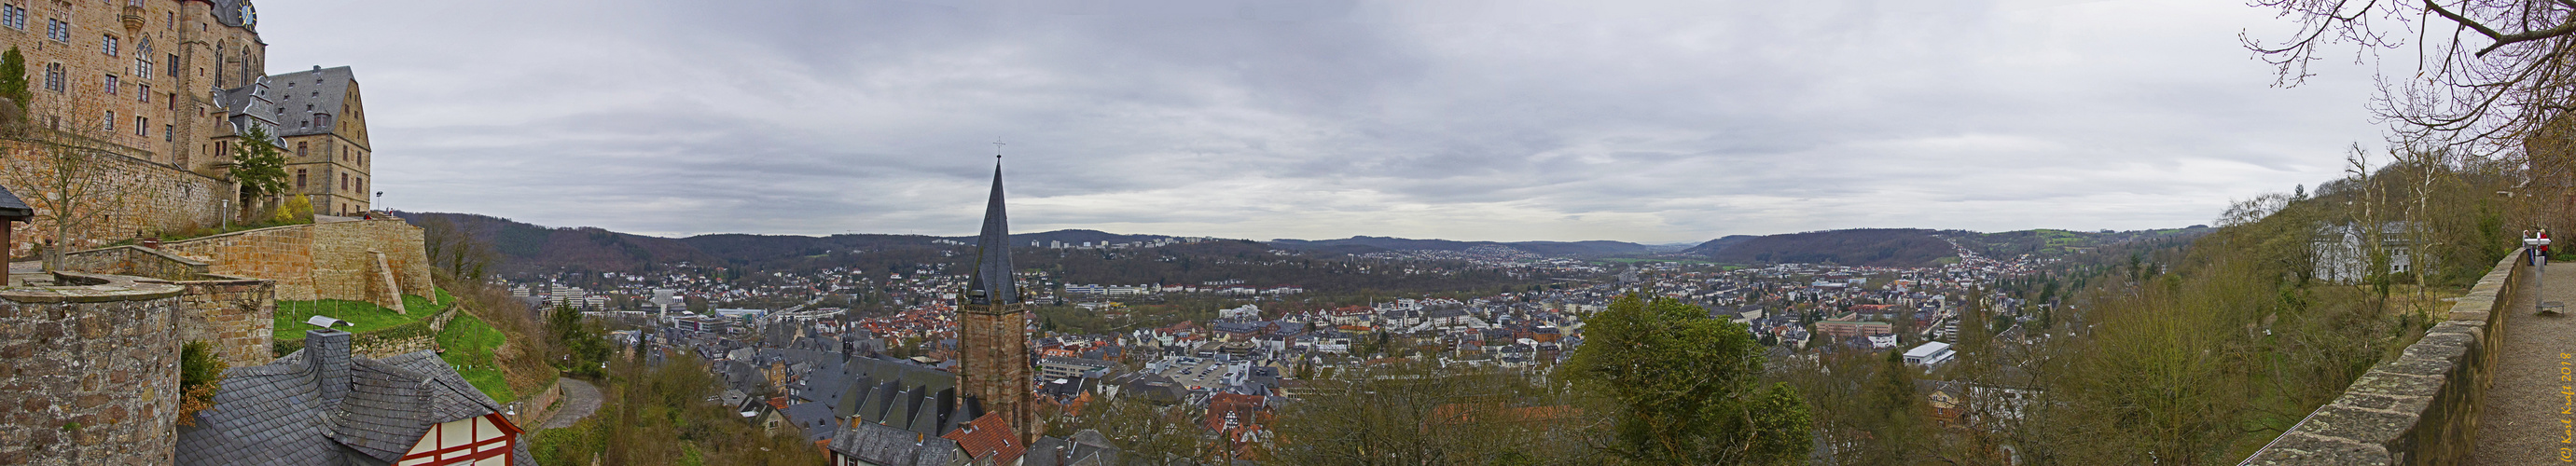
[[2420, 408]]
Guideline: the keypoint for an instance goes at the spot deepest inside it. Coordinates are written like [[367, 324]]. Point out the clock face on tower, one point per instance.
[[249, 16]]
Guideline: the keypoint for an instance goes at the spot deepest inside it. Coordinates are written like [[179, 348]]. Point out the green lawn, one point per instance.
[[366, 316], [469, 343]]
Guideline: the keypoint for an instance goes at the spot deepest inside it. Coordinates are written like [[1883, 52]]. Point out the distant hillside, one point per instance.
[[1884, 247], [1367, 244], [1715, 245], [1902, 247], [532, 248]]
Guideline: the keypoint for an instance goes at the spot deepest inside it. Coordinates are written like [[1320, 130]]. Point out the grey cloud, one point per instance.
[[1643, 121]]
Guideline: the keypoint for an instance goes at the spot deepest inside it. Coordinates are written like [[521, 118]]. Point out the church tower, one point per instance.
[[992, 327]]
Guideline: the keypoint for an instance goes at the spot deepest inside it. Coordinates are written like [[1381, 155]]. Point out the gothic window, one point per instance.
[[54, 77]]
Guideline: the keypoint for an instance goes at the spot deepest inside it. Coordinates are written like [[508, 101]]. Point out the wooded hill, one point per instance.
[[1914, 247], [1369, 244]]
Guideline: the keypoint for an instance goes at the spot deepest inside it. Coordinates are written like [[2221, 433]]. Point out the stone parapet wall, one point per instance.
[[89, 371], [2420, 408], [141, 197], [335, 260], [283, 254], [238, 316], [135, 261], [535, 411]]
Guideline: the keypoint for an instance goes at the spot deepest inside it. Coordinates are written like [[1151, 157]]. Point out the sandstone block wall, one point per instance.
[[335, 260], [135, 261], [284, 254], [2420, 408], [89, 375], [237, 316], [147, 198]]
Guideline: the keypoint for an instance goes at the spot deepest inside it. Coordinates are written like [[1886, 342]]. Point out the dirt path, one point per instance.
[[580, 399], [2521, 422]]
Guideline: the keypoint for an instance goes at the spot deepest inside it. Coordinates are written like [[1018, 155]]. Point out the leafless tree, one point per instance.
[[2487, 74], [68, 174]]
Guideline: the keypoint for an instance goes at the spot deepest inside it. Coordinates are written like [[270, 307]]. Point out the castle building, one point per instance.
[[992, 328], [169, 85]]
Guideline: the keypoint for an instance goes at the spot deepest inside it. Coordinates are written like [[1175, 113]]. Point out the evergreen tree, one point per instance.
[[259, 166], [13, 79], [1684, 387]]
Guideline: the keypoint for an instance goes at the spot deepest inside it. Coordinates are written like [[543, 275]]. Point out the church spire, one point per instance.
[[992, 282]]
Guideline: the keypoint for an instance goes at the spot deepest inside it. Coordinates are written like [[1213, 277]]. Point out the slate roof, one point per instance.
[[993, 252], [304, 94], [889, 446], [281, 414], [12, 208], [1085, 448]]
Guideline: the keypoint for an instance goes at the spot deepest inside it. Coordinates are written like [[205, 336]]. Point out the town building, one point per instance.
[[322, 405]]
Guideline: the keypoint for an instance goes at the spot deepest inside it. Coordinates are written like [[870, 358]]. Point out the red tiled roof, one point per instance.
[[988, 439]]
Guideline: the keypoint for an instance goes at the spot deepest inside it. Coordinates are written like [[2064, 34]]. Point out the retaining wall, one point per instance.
[[89, 371], [234, 314], [334, 260], [2420, 408]]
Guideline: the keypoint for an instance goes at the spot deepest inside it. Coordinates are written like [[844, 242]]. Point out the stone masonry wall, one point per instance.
[[2420, 408], [149, 198], [345, 268], [237, 316], [89, 375], [135, 261], [284, 254], [322, 260]]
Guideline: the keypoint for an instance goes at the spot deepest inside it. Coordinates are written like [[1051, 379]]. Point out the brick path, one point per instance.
[[2521, 422], [579, 400]]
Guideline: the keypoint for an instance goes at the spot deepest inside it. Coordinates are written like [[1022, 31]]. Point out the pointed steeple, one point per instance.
[[992, 282]]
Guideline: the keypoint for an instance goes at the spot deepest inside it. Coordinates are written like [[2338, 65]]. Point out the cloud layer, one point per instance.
[[1473, 120]]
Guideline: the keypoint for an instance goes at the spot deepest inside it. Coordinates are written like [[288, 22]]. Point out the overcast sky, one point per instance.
[[1672, 121]]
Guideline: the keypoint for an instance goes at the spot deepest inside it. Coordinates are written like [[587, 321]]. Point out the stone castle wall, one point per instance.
[[233, 313], [2420, 408], [237, 316], [134, 197], [336, 260], [89, 374]]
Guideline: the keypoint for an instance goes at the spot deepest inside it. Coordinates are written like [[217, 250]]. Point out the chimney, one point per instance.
[[326, 351]]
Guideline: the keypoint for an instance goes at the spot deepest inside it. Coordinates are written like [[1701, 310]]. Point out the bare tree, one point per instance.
[[2488, 73], [69, 176]]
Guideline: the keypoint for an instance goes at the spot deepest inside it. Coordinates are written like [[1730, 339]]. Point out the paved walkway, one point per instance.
[[579, 400], [2522, 421]]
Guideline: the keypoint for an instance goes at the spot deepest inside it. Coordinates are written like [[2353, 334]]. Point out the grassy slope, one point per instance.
[[365, 316], [469, 343]]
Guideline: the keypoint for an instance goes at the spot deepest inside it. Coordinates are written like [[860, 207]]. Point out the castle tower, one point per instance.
[[992, 327]]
